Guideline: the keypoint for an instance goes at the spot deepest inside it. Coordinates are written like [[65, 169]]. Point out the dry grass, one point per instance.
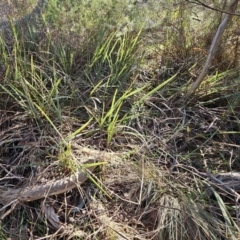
[[15, 9], [114, 102]]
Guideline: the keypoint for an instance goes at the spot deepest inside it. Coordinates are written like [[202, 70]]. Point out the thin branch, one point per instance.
[[214, 46], [197, 2]]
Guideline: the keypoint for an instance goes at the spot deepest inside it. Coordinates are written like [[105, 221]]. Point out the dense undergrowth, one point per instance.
[[111, 77]]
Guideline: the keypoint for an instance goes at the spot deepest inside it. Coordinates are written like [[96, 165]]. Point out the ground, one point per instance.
[[98, 136]]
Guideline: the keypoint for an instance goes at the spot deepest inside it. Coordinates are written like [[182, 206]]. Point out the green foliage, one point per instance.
[[109, 73]]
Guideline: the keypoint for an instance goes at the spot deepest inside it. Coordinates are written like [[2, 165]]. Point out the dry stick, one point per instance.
[[223, 186], [214, 46], [54, 187], [217, 182], [45, 190], [197, 2]]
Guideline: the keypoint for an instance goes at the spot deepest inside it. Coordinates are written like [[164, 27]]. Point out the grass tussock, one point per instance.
[[98, 139]]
